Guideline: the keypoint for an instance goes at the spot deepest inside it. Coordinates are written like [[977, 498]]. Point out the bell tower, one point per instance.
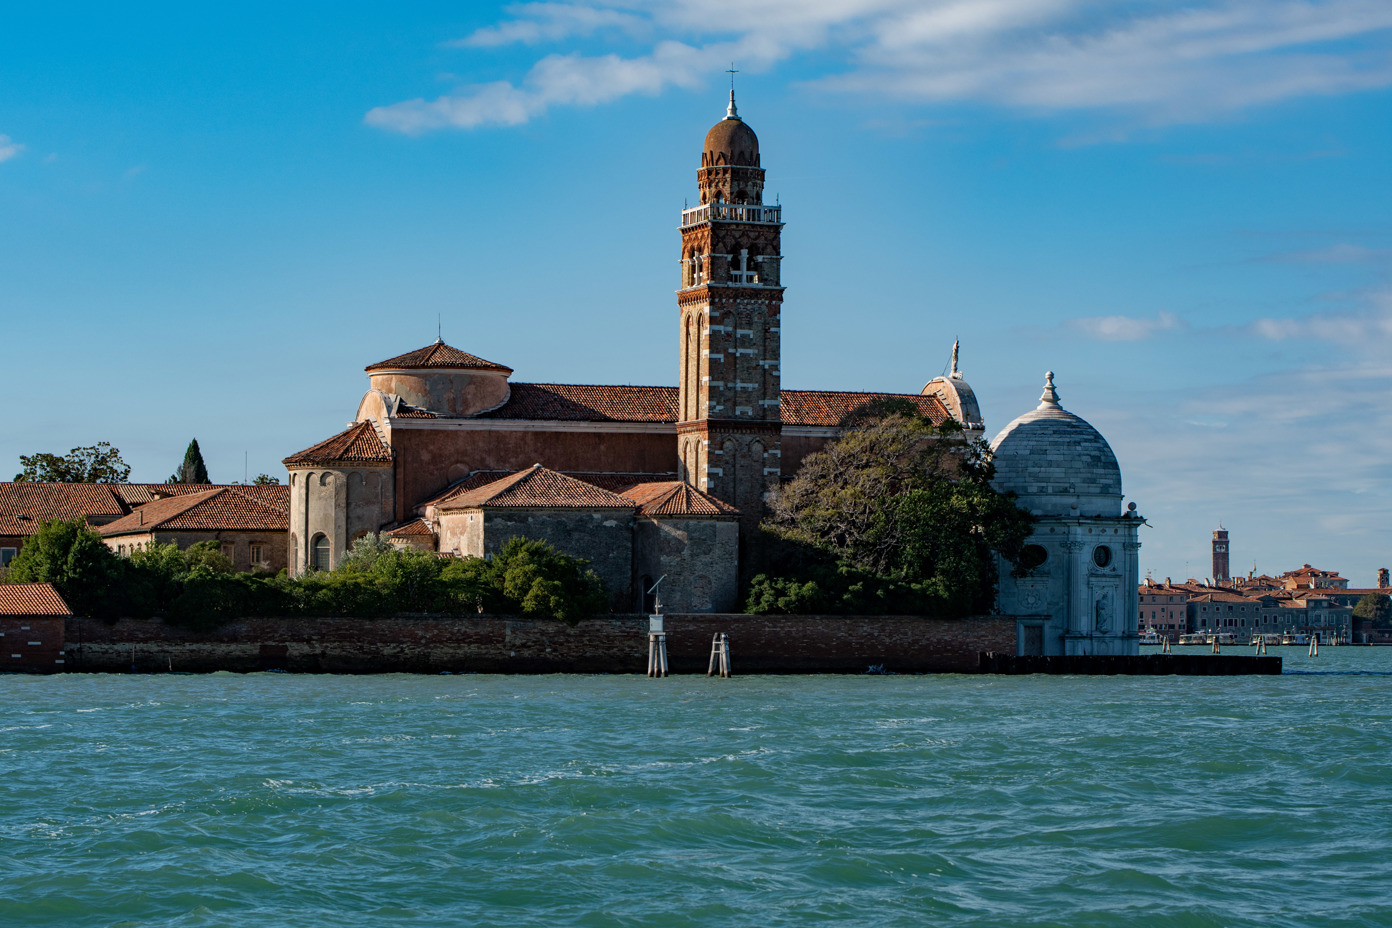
[[729, 427], [1220, 557]]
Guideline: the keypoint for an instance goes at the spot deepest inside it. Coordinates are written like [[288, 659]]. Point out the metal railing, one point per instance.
[[734, 212]]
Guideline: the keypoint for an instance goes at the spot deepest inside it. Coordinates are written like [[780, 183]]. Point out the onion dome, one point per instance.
[[1057, 463], [731, 141]]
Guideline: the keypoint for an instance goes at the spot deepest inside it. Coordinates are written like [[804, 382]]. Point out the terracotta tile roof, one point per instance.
[[670, 498], [406, 411], [358, 444], [24, 506], [31, 599], [538, 487], [573, 402], [614, 403], [437, 355], [613, 482], [217, 510], [833, 408], [414, 528], [138, 494]]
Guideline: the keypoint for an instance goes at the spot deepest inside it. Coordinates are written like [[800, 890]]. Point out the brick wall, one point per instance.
[[32, 644], [500, 644]]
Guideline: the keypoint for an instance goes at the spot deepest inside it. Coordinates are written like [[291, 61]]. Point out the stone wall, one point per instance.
[[602, 537], [500, 644], [699, 557]]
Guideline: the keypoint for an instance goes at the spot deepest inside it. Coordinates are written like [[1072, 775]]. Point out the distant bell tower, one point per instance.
[[729, 428], [1220, 556]]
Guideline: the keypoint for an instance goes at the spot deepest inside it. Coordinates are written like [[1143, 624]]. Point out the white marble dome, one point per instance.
[[1057, 463]]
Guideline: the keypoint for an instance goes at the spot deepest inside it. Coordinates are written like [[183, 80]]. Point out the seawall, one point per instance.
[[509, 644]]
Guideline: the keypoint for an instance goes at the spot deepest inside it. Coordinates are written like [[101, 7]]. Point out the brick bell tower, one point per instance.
[[729, 429], [1220, 557]]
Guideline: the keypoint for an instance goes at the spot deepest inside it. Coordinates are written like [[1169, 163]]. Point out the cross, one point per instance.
[[732, 72]]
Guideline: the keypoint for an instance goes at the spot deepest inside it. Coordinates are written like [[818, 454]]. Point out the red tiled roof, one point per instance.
[[613, 482], [572, 402], [615, 403], [25, 506], [137, 494], [677, 498], [537, 487], [216, 510], [357, 444], [31, 599], [435, 356], [416, 527], [833, 408]]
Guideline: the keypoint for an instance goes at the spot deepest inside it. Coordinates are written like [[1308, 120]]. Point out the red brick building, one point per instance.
[[33, 619], [437, 419]]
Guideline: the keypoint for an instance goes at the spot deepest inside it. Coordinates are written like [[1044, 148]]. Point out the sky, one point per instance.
[[212, 219]]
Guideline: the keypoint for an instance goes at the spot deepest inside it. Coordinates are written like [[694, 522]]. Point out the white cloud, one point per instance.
[[9, 148], [1148, 59], [1366, 328], [549, 22], [1127, 328]]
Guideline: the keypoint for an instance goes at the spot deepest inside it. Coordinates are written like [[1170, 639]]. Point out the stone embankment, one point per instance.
[[504, 644]]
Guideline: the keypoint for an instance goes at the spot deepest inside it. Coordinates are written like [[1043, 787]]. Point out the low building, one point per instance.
[[33, 622], [249, 531], [1164, 607], [26, 506]]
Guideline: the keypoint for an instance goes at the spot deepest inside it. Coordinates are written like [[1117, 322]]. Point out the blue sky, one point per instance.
[[212, 221]]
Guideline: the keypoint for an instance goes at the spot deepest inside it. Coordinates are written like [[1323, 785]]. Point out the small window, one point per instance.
[[320, 553], [258, 554], [228, 549], [1102, 555], [7, 555]]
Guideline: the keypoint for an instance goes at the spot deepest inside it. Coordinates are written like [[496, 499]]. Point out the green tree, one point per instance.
[[539, 581], [193, 470], [76, 561], [99, 463], [265, 480], [896, 512], [1375, 608]]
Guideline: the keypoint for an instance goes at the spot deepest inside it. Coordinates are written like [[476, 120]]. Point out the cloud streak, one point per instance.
[[1147, 60], [9, 148], [1127, 328]]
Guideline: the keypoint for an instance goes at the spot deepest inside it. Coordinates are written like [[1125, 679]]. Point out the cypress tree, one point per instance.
[[193, 470]]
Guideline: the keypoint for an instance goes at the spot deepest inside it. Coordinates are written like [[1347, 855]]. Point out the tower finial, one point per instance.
[[731, 112], [439, 328], [1049, 399]]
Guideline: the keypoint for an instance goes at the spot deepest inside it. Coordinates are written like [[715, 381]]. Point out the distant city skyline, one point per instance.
[[214, 223]]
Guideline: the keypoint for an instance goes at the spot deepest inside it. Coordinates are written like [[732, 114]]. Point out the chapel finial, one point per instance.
[[730, 111], [1049, 399]]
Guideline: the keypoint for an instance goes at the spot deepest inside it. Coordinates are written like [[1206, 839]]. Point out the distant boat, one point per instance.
[[1295, 638], [1151, 636]]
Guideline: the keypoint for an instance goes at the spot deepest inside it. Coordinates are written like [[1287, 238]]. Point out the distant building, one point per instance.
[[33, 621], [1220, 556], [250, 532]]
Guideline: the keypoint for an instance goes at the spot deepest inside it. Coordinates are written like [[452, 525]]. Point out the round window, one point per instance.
[[1101, 555], [1033, 556]]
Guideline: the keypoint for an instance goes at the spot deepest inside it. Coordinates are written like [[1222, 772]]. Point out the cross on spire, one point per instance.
[[731, 112]]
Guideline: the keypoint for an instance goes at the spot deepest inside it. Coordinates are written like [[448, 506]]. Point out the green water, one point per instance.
[[281, 800]]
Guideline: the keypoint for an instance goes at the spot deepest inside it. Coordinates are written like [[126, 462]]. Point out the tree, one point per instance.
[[265, 480], [896, 511], [193, 470], [1375, 608], [99, 463], [76, 561]]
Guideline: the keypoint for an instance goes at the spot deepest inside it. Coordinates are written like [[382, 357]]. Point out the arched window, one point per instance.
[[324, 479], [320, 555]]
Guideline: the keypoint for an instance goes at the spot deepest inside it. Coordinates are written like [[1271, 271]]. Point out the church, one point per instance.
[[447, 453]]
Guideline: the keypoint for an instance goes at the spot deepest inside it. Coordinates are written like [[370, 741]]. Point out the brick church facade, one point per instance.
[[447, 453]]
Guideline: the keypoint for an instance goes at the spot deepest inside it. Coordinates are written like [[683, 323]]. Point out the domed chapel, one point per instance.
[[447, 453]]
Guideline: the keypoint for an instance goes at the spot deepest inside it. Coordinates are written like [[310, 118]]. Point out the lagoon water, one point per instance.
[[283, 800]]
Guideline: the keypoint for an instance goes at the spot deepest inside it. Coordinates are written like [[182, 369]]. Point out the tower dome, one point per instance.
[[1057, 463], [731, 141]]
